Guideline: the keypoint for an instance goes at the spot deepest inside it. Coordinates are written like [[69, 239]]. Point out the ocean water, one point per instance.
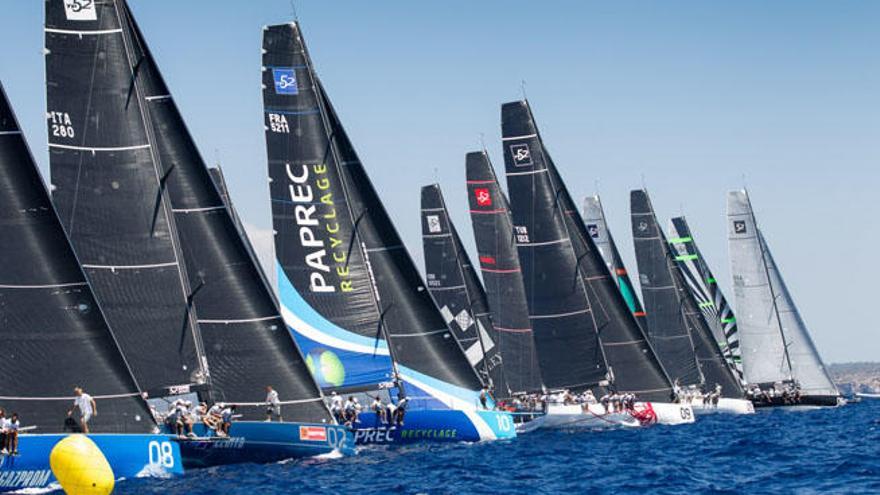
[[819, 451]]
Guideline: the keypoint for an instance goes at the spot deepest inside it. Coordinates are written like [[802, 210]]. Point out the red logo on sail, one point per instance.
[[487, 260], [313, 433], [483, 196]]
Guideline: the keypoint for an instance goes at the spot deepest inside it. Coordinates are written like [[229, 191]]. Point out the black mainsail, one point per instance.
[[54, 334], [679, 332], [111, 195], [500, 267], [245, 339], [347, 284], [718, 313], [597, 228], [458, 292], [633, 364], [565, 329]]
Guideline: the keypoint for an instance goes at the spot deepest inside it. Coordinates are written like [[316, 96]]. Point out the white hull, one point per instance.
[[561, 416], [724, 406], [868, 396]]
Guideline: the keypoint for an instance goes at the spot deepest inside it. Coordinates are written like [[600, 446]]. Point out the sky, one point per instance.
[[688, 99]]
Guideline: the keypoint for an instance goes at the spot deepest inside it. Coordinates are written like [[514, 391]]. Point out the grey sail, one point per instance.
[[597, 227], [718, 313], [775, 343], [670, 304]]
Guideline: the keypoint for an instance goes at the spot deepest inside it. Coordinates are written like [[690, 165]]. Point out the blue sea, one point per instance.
[[778, 451]]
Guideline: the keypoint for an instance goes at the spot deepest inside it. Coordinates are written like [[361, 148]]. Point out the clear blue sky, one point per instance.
[[691, 95]]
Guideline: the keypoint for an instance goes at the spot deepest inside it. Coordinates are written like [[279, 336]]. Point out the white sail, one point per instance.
[[807, 367], [775, 343]]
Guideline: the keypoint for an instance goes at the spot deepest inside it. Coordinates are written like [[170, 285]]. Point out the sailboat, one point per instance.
[[716, 311], [780, 361], [55, 338], [458, 293], [348, 288], [189, 307], [585, 335], [597, 227], [677, 327]]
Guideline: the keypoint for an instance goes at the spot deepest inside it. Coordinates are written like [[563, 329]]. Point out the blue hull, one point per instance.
[[440, 425], [130, 456], [260, 442]]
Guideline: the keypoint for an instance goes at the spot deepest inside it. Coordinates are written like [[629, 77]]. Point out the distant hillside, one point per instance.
[[856, 377]]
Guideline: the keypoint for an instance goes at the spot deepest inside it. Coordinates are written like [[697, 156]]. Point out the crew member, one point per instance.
[[379, 409], [87, 408], [273, 404]]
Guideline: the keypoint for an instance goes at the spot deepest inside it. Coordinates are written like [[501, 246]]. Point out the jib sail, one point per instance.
[[54, 334]]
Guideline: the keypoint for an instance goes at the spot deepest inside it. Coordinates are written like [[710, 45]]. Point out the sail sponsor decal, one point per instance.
[[739, 227], [313, 433], [522, 156], [336, 357], [285, 81], [80, 10], [318, 232], [278, 123], [522, 234]]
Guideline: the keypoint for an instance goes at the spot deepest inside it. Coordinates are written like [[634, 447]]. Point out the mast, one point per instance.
[[457, 292], [51, 319], [565, 332], [112, 198], [502, 274]]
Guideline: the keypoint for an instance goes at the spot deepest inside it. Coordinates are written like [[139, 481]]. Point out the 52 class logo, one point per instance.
[[483, 197], [739, 227], [80, 10], [643, 226], [434, 224], [285, 81], [593, 230], [522, 156]]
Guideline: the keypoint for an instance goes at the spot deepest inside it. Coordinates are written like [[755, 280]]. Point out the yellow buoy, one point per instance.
[[80, 467]]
